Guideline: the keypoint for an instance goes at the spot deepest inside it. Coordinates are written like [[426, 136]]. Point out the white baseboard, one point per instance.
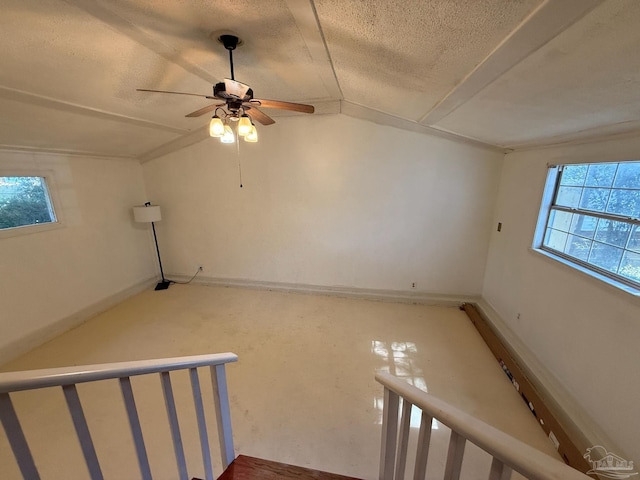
[[399, 296], [48, 332], [568, 409]]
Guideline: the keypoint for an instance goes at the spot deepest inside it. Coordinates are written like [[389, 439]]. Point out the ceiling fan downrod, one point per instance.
[[230, 42]]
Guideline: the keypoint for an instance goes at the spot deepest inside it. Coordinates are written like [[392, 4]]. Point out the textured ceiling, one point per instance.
[[585, 78], [403, 57], [506, 73]]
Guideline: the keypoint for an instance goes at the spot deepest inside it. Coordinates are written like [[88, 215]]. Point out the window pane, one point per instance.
[[560, 220], [24, 201], [634, 239], [593, 218], [628, 175], [630, 266], [583, 225], [594, 199], [625, 202], [605, 256], [569, 196], [578, 247], [573, 175], [613, 233], [601, 174], [555, 239]]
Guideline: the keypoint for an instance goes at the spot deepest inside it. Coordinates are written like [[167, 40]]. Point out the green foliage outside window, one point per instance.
[[24, 201]]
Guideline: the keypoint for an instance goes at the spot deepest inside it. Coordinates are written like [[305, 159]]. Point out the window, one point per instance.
[[591, 218], [25, 201]]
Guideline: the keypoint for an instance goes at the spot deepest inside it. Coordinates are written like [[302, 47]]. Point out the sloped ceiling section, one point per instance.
[[500, 73]]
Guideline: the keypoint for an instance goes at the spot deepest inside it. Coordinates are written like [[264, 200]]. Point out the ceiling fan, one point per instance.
[[239, 104]]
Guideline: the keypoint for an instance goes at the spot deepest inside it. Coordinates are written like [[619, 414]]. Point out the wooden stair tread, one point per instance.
[[250, 468]]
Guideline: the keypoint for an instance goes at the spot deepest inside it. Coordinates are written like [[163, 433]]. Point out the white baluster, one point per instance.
[[454, 458], [202, 424], [223, 414], [173, 424], [499, 471], [403, 443], [389, 434], [136, 430], [422, 449], [17, 439], [82, 431]]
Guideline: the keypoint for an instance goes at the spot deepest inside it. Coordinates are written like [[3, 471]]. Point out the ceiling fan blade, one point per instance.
[[175, 93], [204, 110], [294, 107], [259, 116]]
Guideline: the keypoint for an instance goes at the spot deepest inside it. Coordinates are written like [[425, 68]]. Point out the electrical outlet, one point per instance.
[[413, 285]]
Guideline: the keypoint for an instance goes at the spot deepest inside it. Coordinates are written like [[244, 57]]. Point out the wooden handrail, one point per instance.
[[519, 456], [52, 377]]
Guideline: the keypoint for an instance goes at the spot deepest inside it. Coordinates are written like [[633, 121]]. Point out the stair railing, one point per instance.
[[508, 453], [68, 377]]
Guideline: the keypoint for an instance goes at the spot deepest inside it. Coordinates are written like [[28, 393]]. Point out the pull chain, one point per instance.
[[239, 165]]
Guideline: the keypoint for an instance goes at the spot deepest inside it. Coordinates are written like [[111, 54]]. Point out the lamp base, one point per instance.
[[162, 285]]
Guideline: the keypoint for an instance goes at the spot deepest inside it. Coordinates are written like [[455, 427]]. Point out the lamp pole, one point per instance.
[[149, 214], [164, 284]]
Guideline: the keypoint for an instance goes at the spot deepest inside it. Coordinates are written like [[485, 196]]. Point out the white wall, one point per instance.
[[584, 333], [48, 278], [330, 201]]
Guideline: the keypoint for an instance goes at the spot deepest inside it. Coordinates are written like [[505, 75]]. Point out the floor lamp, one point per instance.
[[148, 213]]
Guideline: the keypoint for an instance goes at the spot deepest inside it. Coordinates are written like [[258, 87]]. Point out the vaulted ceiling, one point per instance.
[[504, 73]]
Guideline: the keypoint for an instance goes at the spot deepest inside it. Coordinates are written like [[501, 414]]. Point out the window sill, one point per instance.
[[29, 229], [590, 273]]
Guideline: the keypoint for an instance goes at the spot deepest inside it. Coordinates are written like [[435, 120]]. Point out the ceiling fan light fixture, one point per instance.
[[252, 136], [237, 99], [216, 127], [244, 125], [228, 136]]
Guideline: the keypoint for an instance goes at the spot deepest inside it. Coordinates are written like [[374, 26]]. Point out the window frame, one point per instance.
[[52, 190], [551, 188]]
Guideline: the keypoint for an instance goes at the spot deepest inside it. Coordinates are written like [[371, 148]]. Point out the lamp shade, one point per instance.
[[244, 125], [252, 136], [147, 213], [216, 127], [228, 136]]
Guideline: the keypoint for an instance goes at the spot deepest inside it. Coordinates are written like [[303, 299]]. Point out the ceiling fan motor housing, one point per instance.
[[220, 91]]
